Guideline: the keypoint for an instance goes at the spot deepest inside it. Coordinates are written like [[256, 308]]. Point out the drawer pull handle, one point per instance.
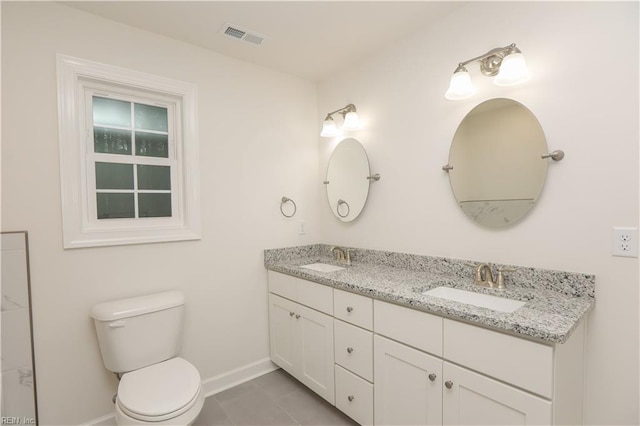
[[349, 350], [448, 384], [298, 316], [432, 377], [291, 314], [349, 309], [351, 398]]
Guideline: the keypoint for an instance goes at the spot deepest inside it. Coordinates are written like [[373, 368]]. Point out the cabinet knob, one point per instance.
[[349, 309], [432, 377], [448, 384], [298, 316], [351, 398], [349, 350], [291, 314]]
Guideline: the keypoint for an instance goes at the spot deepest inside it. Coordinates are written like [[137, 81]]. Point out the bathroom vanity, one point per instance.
[[368, 340]]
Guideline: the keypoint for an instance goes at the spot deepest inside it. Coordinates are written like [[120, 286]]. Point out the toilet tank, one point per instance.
[[139, 331]]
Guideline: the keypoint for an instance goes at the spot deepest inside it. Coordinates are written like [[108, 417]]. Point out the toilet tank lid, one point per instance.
[[134, 306]]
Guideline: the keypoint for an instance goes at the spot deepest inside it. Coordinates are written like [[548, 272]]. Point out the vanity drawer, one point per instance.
[[282, 285], [354, 396], [353, 308], [517, 361], [414, 328], [316, 296], [353, 349], [313, 295]]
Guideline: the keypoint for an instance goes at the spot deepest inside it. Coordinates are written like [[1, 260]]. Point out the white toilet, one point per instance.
[[139, 339]]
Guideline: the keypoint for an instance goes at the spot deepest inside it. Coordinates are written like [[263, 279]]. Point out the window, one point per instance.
[[128, 156]]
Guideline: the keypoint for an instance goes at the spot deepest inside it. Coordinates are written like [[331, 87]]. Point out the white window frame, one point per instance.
[[78, 80]]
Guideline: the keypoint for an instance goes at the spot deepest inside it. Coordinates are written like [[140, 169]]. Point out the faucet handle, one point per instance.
[[347, 255], [500, 280]]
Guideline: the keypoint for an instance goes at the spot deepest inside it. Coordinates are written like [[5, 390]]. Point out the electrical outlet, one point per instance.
[[625, 242]]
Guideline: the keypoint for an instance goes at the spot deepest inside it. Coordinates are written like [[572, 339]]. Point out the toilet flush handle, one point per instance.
[[117, 324]]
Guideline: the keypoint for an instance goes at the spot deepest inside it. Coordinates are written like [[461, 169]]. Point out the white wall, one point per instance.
[[588, 111], [258, 142]]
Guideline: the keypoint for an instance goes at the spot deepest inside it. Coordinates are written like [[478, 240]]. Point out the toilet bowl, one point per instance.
[[167, 393], [139, 340]]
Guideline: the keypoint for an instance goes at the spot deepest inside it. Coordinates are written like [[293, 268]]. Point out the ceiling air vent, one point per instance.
[[242, 34]]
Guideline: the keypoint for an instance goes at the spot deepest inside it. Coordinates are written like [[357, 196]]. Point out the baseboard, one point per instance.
[[240, 375], [213, 385], [108, 420]]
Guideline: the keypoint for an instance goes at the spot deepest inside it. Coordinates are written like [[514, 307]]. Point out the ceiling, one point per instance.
[[309, 39]]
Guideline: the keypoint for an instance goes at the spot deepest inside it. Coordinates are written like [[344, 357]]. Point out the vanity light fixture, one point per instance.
[[351, 121], [505, 63]]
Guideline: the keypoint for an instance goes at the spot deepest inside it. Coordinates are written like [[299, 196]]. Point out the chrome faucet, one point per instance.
[[484, 276], [339, 253], [342, 255]]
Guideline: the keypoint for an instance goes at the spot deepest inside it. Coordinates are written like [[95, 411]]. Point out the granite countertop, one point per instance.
[[556, 301]]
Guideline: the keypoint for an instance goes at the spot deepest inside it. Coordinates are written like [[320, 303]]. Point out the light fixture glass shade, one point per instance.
[[513, 70], [460, 86], [329, 128], [351, 121]]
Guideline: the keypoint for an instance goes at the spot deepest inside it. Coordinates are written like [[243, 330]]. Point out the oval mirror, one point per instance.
[[497, 172], [347, 183]]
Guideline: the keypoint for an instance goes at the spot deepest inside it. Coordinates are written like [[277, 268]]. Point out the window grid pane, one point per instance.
[[112, 141], [122, 190], [154, 177], [114, 176], [152, 144], [115, 205], [111, 112], [154, 204], [149, 117]]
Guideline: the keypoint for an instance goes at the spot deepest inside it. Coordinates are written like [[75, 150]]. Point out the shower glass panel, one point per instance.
[[19, 403]]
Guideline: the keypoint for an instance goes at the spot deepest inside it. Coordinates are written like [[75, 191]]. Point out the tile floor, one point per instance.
[[273, 399]]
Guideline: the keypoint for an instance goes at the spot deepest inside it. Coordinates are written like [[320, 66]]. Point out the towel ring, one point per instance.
[[283, 202], [341, 202]]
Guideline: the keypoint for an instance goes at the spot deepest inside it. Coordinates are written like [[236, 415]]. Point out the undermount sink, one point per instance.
[[495, 303], [322, 267]]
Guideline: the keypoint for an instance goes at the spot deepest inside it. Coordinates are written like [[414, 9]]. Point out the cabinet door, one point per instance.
[[408, 385], [283, 333], [315, 337], [473, 399]]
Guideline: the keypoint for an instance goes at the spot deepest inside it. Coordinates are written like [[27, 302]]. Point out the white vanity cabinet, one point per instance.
[[301, 331], [386, 364], [354, 355], [441, 371]]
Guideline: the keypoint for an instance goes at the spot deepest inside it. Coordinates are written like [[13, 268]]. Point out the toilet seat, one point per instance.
[[159, 392]]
